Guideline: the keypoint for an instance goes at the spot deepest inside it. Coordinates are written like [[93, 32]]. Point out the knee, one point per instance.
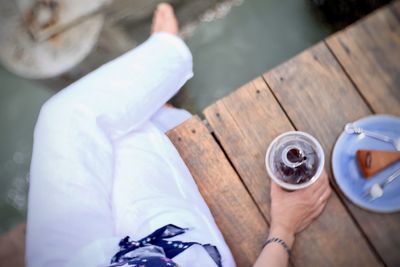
[[53, 113]]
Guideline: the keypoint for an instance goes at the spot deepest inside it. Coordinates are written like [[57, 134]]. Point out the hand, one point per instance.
[[292, 212]]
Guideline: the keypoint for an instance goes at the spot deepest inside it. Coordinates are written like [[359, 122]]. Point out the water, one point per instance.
[[253, 38], [20, 102], [228, 52]]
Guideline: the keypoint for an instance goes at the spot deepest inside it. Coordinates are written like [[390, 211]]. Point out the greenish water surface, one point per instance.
[[253, 38], [20, 102]]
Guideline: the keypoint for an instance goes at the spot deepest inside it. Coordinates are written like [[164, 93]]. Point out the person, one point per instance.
[[108, 188]]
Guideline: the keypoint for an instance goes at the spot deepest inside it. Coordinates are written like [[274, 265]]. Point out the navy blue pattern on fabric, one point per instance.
[[152, 261], [158, 239]]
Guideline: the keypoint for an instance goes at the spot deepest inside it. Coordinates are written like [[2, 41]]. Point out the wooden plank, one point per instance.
[[319, 99], [245, 122], [239, 219], [12, 247], [369, 51]]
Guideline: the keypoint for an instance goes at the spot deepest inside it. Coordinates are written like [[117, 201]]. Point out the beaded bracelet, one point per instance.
[[279, 241]]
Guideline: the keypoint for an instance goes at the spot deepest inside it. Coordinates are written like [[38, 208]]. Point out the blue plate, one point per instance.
[[345, 166]]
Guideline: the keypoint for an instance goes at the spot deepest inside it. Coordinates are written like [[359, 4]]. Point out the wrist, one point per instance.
[[282, 233]]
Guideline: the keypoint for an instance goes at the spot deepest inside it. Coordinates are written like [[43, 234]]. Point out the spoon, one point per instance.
[[350, 128]]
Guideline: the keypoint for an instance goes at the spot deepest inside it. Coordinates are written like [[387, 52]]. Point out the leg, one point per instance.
[[72, 165], [70, 186]]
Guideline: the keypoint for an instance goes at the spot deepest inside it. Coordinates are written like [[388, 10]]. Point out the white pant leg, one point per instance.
[[168, 118], [153, 188], [70, 186], [72, 163]]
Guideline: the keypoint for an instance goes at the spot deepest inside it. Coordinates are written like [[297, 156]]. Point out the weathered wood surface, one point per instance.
[[245, 122], [314, 91], [369, 51], [12, 247], [243, 226], [352, 74]]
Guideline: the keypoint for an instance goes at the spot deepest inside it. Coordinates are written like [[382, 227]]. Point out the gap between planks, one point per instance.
[[346, 73], [336, 188], [346, 209], [217, 141]]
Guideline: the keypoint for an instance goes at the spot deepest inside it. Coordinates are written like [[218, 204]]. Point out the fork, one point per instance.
[[350, 128], [376, 190]]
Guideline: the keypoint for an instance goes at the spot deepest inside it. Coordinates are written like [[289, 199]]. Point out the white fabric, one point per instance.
[[102, 167]]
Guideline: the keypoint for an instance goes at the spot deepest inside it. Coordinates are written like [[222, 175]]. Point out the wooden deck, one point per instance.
[[352, 74]]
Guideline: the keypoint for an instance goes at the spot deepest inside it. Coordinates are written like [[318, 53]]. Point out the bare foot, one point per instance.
[[164, 20]]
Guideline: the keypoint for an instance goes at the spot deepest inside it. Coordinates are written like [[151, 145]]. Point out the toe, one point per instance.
[[164, 19], [165, 7], [165, 10]]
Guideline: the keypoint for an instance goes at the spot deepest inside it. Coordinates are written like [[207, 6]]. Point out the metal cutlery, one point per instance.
[[350, 128], [377, 189]]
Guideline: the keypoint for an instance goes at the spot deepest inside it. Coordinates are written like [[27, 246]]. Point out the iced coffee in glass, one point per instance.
[[294, 160]]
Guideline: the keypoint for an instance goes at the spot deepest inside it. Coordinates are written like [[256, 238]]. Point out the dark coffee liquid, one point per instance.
[[294, 155], [295, 162]]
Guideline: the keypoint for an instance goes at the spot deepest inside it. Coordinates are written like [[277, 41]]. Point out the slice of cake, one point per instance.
[[374, 161]]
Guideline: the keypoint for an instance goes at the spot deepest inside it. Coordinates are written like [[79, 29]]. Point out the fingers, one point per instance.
[[316, 213], [324, 185], [299, 208], [319, 185], [275, 189], [318, 210], [322, 181], [327, 193], [321, 202], [323, 198]]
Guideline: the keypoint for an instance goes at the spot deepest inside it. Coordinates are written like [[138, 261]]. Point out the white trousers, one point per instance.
[[102, 167]]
